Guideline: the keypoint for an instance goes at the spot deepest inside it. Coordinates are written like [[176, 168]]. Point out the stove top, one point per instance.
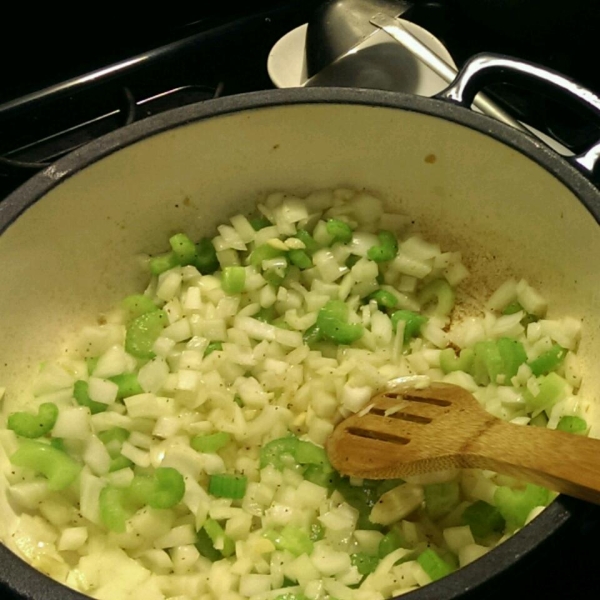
[[77, 85]]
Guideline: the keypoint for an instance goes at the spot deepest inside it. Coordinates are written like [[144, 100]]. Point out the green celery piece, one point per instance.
[[387, 248], [552, 388], [113, 439], [263, 252], [384, 299], [434, 565], [487, 362], [80, 393], [449, 362], [340, 232], [300, 258], [572, 424], [266, 315], [128, 385], [540, 420], [205, 546], [114, 512], [118, 463], [311, 246], [279, 453], [228, 486], [233, 280], [441, 498], [513, 355], [332, 321], [137, 305], [163, 262], [412, 323], [515, 505], [293, 539], [34, 426], [548, 361], [213, 347], [440, 292], [273, 278], [512, 308], [164, 489], [483, 519], [210, 443], [58, 467], [206, 257], [312, 335], [259, 223], [183, 248], [143, 331], [294, 596], [319, 475], [391, 541], [216, 533], [307, 453], [362, 498], [365, 563], [58, 443], [317, 532], [281, 323]]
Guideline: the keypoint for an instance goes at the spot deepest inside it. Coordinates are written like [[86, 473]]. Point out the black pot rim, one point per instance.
[[23, 579]]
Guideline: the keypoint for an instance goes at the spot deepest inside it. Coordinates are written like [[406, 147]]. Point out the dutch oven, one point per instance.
[[70, 236]]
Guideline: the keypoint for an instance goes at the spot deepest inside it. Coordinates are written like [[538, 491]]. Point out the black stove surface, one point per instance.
[[78, 84]]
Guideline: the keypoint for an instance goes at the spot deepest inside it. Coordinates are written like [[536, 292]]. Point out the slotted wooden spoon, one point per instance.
[[415, 431]]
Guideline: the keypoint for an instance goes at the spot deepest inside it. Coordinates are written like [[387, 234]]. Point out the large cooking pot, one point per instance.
[[70, 235]]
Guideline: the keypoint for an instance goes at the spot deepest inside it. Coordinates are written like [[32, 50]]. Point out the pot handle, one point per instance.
[[483, 69]]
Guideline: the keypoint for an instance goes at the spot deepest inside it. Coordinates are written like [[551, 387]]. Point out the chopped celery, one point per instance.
[[513, 355], [264, 252], [279, 453], [34, 426], [483, 519], [387, 248], [319, 475], [295, 596], [440, 292], [143, 331], [58, 443], [441, 498], [128, 385], [281, 323], [293, 539], [266, 315], [540, 420], [212, 347], [58, 467], [572, 424], [205, 546], [113, 511], [449, 362], [487, 362], [113, 440], [259, 223], [551, 389], [206, 257], [312, 335], [548, 361], [137, 305], [183, 248], [307, 453], [309, 242], [233, 280], [391, 541], [210, 443], [217, 536], [433, 564], [515, 505], [365, 563], [317, 532], [300, 258], [163, 262], [384, 299], [164, 489], [340, 232], [228, 486], [332, 321], [412, 323], [515, 307], [118, 463], [81, 395], [273, 278]]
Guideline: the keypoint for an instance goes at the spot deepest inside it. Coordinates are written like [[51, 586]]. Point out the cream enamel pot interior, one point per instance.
[[71, 235]]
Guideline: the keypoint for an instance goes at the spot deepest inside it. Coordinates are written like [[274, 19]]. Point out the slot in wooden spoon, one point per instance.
[[414, 431]]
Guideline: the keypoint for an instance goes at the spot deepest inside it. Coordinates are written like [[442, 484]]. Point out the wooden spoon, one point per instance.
[[413, 431]]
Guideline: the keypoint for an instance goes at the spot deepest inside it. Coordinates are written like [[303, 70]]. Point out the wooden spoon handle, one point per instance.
[[563, 462]]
